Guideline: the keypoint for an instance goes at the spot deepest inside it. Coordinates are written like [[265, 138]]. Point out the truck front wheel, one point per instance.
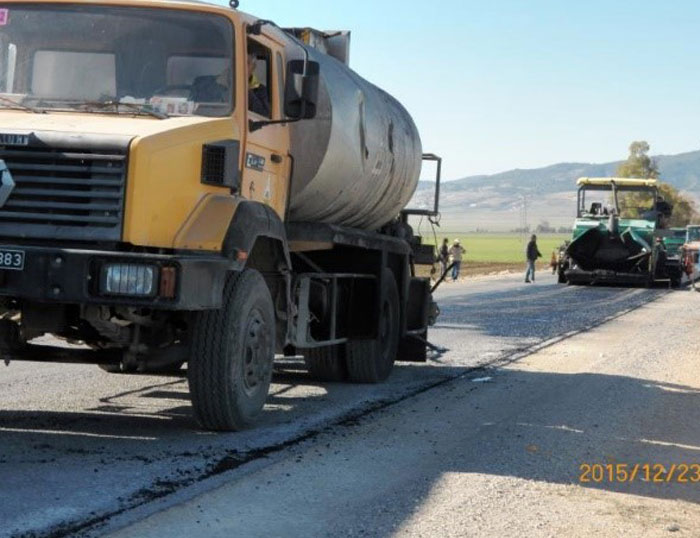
[[170, 369], [230, 366]]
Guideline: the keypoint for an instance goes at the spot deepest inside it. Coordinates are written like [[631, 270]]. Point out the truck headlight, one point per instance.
[[128, 279]]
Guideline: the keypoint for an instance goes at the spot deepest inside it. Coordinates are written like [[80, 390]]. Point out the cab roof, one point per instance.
[[617, 181], [192, 4]]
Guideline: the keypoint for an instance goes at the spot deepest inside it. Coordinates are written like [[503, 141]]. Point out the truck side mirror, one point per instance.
[[301, 90]]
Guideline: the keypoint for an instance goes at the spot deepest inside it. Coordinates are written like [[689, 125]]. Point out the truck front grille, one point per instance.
[[64, 193]]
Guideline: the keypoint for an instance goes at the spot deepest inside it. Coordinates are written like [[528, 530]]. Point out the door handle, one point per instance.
[[277, 159]]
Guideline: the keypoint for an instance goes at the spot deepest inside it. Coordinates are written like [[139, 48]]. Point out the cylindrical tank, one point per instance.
[[357, 163]]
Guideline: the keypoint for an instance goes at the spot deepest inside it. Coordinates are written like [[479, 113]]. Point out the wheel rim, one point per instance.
[[256, 353]]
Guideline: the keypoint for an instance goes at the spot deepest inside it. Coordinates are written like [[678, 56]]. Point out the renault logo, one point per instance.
[[7, 184], [8, 139]]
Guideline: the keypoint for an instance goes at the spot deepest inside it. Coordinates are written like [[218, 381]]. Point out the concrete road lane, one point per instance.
[[81, 446]]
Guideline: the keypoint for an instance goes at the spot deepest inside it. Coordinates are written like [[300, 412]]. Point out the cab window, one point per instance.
[[280, 84], [259, 76]]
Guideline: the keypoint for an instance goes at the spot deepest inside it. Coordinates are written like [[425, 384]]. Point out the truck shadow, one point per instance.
[[158, 409], [541, 428]]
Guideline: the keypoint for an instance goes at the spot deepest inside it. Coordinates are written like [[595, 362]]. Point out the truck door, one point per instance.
[[266, 163]]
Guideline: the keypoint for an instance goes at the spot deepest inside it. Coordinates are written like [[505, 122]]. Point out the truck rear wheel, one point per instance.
[[371, 361], [326, 363], [230, 366]]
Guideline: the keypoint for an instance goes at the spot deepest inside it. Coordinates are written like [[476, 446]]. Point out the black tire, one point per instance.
[[656, 272], [171, 369], [676, 274], [562, 266], [561, 277], [371, 361], [112, 368], [230, 366], [326, 363]]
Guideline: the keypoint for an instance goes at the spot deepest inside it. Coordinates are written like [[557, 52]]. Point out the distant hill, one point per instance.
[[494, 201]]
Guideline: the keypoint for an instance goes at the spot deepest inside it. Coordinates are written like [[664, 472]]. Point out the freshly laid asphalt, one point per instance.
[[84, 451]]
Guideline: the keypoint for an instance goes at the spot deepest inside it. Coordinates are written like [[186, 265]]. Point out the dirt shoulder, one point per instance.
[[473, 269]]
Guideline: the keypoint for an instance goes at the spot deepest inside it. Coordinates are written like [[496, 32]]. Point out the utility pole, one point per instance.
[[524, 199]]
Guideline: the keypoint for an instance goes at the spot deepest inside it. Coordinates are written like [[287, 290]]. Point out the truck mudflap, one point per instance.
[[74, 276]]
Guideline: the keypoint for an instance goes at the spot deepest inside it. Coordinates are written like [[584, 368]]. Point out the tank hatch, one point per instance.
[[335, 43]]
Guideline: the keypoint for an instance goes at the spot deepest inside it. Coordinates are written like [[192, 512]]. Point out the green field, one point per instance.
[[501, 248]]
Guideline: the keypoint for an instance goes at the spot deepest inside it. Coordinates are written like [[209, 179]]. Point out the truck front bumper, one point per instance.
[[73, 276]]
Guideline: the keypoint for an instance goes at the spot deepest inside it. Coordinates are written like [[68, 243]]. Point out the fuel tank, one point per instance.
[[357, 162]]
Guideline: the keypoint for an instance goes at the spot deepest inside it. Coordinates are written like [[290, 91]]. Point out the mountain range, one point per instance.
[[504, 201]]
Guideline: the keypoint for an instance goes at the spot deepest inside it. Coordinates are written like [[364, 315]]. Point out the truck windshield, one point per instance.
[[115, 59], [630, 204]]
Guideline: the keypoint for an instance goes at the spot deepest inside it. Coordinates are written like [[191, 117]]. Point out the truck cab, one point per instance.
[[147, 174]]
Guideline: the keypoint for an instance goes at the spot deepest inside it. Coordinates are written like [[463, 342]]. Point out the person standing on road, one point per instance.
[[456, 253], [554, 262], [532, 253], [444, 255]]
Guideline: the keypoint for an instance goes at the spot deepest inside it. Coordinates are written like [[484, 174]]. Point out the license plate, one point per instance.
[[11, 259]]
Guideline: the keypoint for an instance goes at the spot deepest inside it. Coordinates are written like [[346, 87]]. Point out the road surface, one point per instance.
[[495, 453], [87, 452]]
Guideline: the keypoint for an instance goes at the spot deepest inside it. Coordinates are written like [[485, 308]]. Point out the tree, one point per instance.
[[640, 165], [684, 210], [544, 228]]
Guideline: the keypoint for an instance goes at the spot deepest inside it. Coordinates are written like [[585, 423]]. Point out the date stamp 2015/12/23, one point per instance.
[[681, 473]]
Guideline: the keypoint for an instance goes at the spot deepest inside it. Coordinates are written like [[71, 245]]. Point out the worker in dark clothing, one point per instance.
[[258, 97], [444, 256], [531, 253]]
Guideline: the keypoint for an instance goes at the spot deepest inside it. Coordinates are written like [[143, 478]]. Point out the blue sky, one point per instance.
[[521, 84]]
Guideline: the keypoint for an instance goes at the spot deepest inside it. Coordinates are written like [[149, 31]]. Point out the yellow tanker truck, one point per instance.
[[185, 183]]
